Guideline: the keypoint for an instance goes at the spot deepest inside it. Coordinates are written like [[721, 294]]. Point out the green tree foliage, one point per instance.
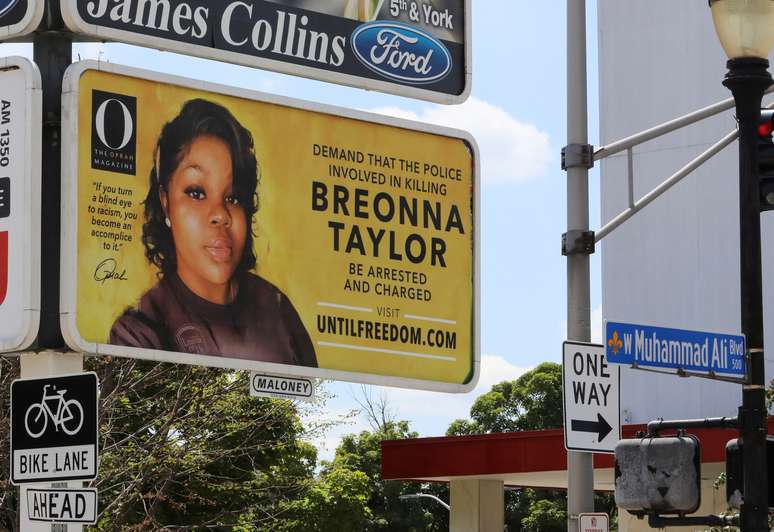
[[9, 370], [362, 452], [531, 402], [186, 446], [337, 500], [545, 516]]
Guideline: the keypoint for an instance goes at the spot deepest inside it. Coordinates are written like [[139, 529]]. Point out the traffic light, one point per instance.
[[660, 475], [735, 471], [766, 159]]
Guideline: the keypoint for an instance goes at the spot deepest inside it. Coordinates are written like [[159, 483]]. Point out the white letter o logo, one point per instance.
[[100, 123]]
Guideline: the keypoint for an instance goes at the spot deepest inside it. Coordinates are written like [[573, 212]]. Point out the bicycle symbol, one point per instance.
[[69, 414]]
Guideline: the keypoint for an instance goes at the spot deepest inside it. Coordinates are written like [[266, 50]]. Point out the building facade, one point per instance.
[[676, 263]]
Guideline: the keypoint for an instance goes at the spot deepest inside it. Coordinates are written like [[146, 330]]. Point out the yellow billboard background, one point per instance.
[[294, 243]]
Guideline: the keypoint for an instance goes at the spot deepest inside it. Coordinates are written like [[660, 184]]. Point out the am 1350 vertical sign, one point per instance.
[[20, 110]]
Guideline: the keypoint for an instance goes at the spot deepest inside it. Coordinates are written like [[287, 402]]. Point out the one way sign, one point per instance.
[[592, 405]]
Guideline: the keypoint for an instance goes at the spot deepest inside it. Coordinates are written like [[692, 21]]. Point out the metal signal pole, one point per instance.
[[747, 78], [577, 158]]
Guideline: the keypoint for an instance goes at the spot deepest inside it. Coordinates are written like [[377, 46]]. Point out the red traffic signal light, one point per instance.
[[766, 160], [766, 123]]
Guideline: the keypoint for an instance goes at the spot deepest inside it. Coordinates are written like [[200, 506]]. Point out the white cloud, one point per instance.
[[430, 413], [511, 151]]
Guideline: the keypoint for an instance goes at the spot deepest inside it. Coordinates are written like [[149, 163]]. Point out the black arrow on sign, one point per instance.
[[601, 426]]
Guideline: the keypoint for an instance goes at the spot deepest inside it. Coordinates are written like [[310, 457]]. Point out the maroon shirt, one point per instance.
[[261, 324]]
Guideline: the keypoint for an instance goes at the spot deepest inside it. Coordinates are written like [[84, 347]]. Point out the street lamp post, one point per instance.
[[424, 496], [745, 29]]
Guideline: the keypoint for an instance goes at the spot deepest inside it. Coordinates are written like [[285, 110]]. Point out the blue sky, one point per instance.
[[517, 112]]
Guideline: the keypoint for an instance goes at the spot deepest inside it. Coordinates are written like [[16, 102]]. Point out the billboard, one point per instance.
[[20, 153], [19, 18], [218, 226], [414, 48]]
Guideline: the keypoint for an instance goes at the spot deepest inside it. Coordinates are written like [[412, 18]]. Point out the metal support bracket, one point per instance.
[[578, 156], [578, 243], [655, 427], [657, 521]]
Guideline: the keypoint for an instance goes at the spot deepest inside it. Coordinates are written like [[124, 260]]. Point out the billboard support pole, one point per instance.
[[579, 242], [52, 51]]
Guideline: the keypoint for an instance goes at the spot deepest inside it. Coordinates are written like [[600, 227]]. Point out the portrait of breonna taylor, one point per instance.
[[198, 216]]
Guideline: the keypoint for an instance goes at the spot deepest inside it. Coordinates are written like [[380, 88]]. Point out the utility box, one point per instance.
[[660, 475]]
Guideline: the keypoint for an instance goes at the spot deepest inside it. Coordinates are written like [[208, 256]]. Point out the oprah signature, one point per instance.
[[107, 270]]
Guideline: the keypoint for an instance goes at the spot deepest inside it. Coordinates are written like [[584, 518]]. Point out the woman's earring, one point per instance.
[[166, 221]]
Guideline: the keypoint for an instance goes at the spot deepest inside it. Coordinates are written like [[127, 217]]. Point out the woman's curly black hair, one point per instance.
[[198, 118]]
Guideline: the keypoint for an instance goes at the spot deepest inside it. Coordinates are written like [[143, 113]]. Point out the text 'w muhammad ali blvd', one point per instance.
[[676, 350]]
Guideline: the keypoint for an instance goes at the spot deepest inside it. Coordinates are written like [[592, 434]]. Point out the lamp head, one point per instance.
[[745, 28]]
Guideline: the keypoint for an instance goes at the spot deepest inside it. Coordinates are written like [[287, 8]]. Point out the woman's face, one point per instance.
[[208, 223]]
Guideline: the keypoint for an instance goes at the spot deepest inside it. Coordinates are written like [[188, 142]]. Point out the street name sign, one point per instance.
[[414, 48], [593, 522], [62, 505], [262, 385], [592, 411], [19, 18], [704, 354], [20, 160], [54, 429]]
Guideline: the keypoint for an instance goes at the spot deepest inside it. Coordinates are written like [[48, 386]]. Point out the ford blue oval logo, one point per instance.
[[6, 6], [401, 52]]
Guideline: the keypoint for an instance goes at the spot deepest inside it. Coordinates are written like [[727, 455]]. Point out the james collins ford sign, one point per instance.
[[415, 48]]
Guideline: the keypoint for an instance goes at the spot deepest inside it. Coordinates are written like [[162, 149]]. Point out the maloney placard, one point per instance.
[[229, 228], [415, 48], [20, 152]]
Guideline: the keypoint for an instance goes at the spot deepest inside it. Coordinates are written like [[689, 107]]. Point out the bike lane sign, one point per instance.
[[54, 428]]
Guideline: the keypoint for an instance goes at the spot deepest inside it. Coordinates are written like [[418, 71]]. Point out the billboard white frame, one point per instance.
[[76, 23], [29, 22], [27, 311], [68, 274]]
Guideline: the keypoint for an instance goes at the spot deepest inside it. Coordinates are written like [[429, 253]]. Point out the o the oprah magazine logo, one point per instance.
[[6, 6], [113, 132]]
